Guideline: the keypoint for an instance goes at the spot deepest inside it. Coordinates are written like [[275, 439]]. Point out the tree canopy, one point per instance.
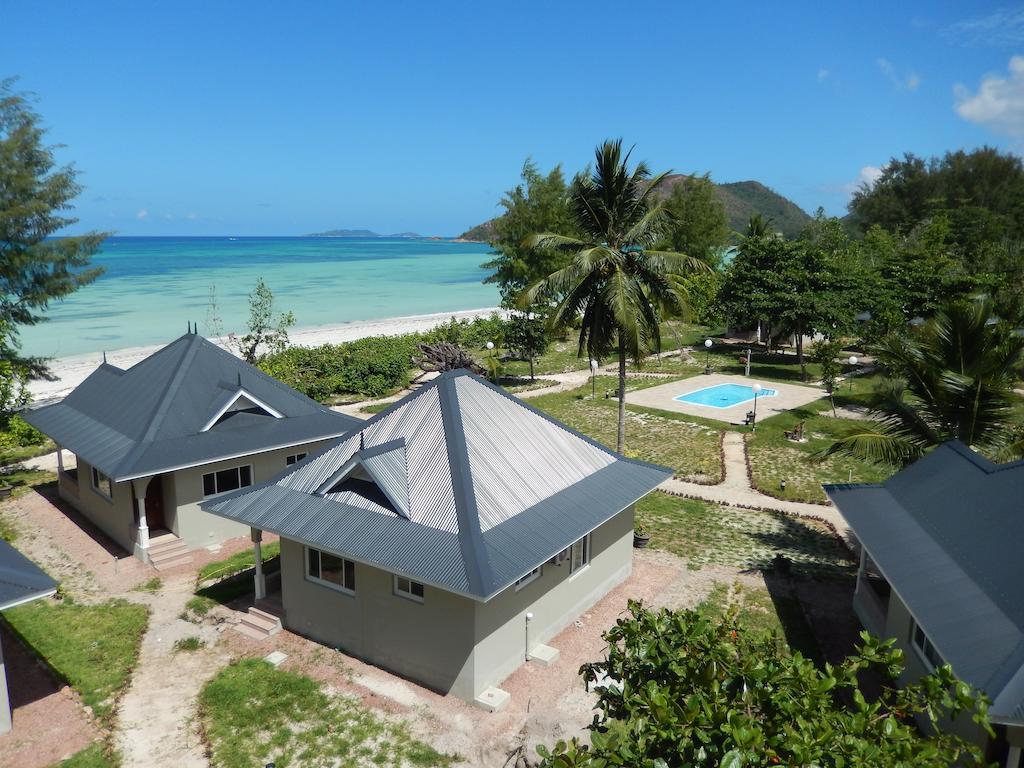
[[687, 689], [695, 220], [36, 267]]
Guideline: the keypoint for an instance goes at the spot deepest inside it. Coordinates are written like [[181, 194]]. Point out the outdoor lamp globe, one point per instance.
[[853, 359], [756, 389], [708, 343], [593, 364], [490, 345]]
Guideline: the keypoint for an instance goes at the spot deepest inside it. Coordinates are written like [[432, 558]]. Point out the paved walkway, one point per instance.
[[736, 490]]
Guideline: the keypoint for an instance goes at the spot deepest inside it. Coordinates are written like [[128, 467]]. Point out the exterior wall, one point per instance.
[[430, 642], [115, 517], [556, 599], [450, 643], [183, 491]]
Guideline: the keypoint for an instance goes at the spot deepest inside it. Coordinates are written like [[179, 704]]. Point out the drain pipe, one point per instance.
[[526, 630]]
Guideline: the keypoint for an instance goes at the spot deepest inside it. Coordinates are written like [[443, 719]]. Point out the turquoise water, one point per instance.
[[154, 285], [723, 395]]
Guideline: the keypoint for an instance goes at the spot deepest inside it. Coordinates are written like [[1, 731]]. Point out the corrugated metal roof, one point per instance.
[[21, 580], [150, 417], [501, 484], [946, 533]]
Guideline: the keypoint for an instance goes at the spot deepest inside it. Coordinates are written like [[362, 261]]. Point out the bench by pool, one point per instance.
[[723, 395]]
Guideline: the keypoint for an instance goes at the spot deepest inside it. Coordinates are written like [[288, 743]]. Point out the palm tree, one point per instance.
[[612, 281], [758, 226], [952, 379]]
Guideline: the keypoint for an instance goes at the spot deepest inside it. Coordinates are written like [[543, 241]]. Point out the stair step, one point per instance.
[[170, 546], [255, 634], [166, 565], [258, 622], [265, 616]]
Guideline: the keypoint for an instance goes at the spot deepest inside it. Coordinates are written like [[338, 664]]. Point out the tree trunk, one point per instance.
[[800, 351], [620, 440]]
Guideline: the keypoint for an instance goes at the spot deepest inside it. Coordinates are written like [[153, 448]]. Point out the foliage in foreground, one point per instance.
[[93, 647], [253, 713], [92, 756], [688, 689]]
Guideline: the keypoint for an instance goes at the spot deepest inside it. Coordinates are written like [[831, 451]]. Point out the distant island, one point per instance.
[[362, 233]]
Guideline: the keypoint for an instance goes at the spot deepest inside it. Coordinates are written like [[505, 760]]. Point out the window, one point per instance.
[[330, 570], [295, 459], [531, 576], [408, 588], [924, 646], [102, 484], [227, 480], [579, 554]]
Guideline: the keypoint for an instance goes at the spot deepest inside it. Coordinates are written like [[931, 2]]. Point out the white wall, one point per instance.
[[115, 517]]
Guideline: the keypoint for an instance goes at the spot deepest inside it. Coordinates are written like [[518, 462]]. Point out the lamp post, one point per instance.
[[494, 370], [757, 391], [593, 379], [853, 362], [707, 361]]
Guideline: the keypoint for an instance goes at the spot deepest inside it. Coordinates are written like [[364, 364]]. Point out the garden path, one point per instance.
[[157, 724]]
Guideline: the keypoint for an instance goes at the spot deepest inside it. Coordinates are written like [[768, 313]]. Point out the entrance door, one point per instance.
[[155, 504]]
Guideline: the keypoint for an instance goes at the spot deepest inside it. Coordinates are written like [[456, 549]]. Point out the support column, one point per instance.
[[260, 579], [1013, 757], [5, 699], [60, 460], [139, 486]]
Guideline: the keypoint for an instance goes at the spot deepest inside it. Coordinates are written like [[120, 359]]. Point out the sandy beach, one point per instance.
[[71, 371]]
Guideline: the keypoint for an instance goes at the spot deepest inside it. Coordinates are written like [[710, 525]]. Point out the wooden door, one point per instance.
[[155, 504]]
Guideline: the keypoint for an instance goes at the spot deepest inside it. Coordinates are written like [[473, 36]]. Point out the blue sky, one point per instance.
[[271, 118]]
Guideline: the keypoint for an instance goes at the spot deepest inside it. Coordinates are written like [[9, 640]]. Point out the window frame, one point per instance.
[[238, 469], [295, 458], [344, 589], [584, 544], [95, 483], [409, 595], [529, 578], [924, 649]]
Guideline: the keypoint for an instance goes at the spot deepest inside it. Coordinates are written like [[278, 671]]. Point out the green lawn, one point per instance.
[[242, 560], [701, 533], [774, 458], [93, 647], [690, 448], [253, 714], [91, 757]]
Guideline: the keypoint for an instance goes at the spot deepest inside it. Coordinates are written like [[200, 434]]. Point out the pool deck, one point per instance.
[[788, 396]]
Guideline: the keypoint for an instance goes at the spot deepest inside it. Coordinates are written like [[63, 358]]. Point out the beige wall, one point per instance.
[[451, 643], [114, 517], [184, 491]]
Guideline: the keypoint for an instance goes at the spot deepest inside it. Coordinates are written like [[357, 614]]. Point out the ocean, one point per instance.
[[154, 286]]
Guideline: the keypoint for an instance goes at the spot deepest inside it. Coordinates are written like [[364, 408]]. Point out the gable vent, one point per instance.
[[242, 402]]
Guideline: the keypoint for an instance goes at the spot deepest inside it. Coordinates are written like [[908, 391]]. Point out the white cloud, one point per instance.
[[868, 175], [1004, 26], [823, 75], [142, 214], [908, 82], [998, 103]]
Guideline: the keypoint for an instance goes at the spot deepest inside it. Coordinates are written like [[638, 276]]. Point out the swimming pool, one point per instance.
[[723, 395]]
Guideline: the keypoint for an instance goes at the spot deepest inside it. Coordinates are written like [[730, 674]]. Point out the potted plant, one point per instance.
[[641, 536]]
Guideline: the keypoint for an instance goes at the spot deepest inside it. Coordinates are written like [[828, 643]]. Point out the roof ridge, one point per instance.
[[474, 556]]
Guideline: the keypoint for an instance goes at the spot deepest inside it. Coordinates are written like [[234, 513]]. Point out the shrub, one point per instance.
[[18, 433]]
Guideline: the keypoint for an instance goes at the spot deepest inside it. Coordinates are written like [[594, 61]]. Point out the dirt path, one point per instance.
[[156, 724], [736, 490]]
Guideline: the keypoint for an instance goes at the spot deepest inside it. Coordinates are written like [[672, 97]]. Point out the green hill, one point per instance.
[[742, 199]]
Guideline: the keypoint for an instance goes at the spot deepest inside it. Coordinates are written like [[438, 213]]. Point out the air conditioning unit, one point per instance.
[[561, 557]]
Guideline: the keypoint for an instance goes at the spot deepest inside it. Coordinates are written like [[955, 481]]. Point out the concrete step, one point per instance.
[[258, 624], [166, 565], [168, 551]]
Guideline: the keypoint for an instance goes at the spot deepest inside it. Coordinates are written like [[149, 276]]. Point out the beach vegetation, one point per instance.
[[268, 332], [695, 688], [612, 284], [527, 336], [696, 223], [951, 379], [252, 713], [36, 268]]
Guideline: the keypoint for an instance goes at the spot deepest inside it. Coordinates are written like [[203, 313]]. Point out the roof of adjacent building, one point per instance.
[[188, 403], [21, 580], [947, 533], [458, 485]]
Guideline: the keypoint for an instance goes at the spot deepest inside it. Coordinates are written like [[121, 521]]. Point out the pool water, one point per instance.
[[723, 395]]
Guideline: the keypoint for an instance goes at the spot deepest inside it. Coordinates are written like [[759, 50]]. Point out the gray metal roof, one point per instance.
[[21, 580], [946, 532], [155, 416], [492, 488]]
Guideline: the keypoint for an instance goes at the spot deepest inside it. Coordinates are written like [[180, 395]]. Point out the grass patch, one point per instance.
[[702, 533], [153, 585], [375, 408], [253, 714], [92, 756], [238, 562], [92, 647], [773, 458], [197, 607], [188, 644], [10, 455], [689, 447]]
